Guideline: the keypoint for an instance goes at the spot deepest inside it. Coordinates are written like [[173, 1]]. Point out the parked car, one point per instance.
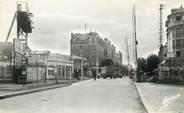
[[111, 72]]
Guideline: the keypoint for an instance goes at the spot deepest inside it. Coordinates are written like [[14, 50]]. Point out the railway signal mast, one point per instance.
[[20, 44]]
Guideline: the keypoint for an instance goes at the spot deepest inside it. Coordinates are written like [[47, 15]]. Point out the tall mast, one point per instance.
[[127, 51], [85, 26], [134, 36], [128, 58], [134, 41], [161, 26]]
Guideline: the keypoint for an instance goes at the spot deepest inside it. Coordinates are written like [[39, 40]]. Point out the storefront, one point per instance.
[[59, 67], [81, 67]]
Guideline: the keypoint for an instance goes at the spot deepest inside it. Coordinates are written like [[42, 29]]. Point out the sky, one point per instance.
[[55, 20]]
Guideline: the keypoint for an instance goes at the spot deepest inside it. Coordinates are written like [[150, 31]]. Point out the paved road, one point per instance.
[[101, 96]]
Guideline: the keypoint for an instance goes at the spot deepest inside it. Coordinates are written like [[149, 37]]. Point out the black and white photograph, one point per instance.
[[91, 56]]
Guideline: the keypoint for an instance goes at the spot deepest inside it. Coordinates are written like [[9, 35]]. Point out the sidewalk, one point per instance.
[[161, 98], [10, 90]]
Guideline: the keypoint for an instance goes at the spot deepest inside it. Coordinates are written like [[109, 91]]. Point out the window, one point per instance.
[[178, 18], [178, 53], [51, 72], [178, 32], [174, 44], [178, 44], [182, 43]]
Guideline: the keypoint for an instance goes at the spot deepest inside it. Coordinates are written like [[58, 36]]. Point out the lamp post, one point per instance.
[[97, 64], [81, 66]]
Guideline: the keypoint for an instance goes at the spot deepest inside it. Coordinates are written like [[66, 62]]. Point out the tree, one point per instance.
[[152, 63], [141, 67], [124, 69], [141, 62]]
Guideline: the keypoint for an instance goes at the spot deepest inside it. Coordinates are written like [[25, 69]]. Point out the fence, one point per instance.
[[172, 75]]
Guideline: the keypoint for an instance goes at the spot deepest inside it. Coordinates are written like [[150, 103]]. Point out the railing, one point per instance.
[[172, 75], [175, 23]]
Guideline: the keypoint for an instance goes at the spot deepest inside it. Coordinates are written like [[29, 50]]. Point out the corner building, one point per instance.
[[171, 68], [175, 33]]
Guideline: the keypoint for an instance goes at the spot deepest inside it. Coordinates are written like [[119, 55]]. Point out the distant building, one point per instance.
[[118, 58], [92, 47], [6, 51], [5, 61]]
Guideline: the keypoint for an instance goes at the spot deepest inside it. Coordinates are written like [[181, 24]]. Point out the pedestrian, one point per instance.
[[94, 75], [77, 74]]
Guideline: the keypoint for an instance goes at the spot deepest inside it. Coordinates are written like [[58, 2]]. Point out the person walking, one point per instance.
[[77, 74], [94, 75]]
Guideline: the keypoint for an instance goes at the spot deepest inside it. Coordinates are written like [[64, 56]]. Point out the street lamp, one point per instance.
[[97, 64], [81, 66]]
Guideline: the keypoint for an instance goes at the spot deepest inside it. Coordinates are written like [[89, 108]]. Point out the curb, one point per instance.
[[32, 91], [141, 97]]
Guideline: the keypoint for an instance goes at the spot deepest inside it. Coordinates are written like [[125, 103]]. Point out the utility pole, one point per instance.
[[97, 64], [134, 40], [128, 58], [97, 60], [161, 25], [85, 26], [81, 66]]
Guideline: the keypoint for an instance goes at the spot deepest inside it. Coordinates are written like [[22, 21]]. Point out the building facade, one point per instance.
[[175, 33], [80, 67], [172, 55], [57, 66], [92, 47]]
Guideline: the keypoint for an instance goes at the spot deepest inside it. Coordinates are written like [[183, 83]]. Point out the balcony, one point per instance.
[[172, 24]]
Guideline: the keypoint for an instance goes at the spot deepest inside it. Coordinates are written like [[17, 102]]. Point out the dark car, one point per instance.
[[106, 76], [117, 75]]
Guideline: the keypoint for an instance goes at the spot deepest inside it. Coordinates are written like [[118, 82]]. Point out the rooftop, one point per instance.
[[177, 10]]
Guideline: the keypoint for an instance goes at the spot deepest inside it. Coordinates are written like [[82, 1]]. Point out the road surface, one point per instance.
[[101, 96]]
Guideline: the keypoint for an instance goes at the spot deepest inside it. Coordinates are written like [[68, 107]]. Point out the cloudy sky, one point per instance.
[[55, 20]]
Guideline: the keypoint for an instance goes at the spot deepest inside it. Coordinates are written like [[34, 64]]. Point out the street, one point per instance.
[[101, 96]]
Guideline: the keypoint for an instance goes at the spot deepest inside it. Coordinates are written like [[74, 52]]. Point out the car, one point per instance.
[[117, 75]]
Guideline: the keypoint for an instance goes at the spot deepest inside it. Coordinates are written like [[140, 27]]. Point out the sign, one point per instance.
[[103, 70], [18, 46], [170, 54]]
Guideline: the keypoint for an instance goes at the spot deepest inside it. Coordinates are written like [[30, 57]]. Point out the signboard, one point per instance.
[[103, 70], [18, 60], [170, 54], [18, 46]]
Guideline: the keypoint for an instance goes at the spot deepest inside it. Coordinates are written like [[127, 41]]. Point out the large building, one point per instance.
[[175, 32], [172, 55], [93, 48]]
